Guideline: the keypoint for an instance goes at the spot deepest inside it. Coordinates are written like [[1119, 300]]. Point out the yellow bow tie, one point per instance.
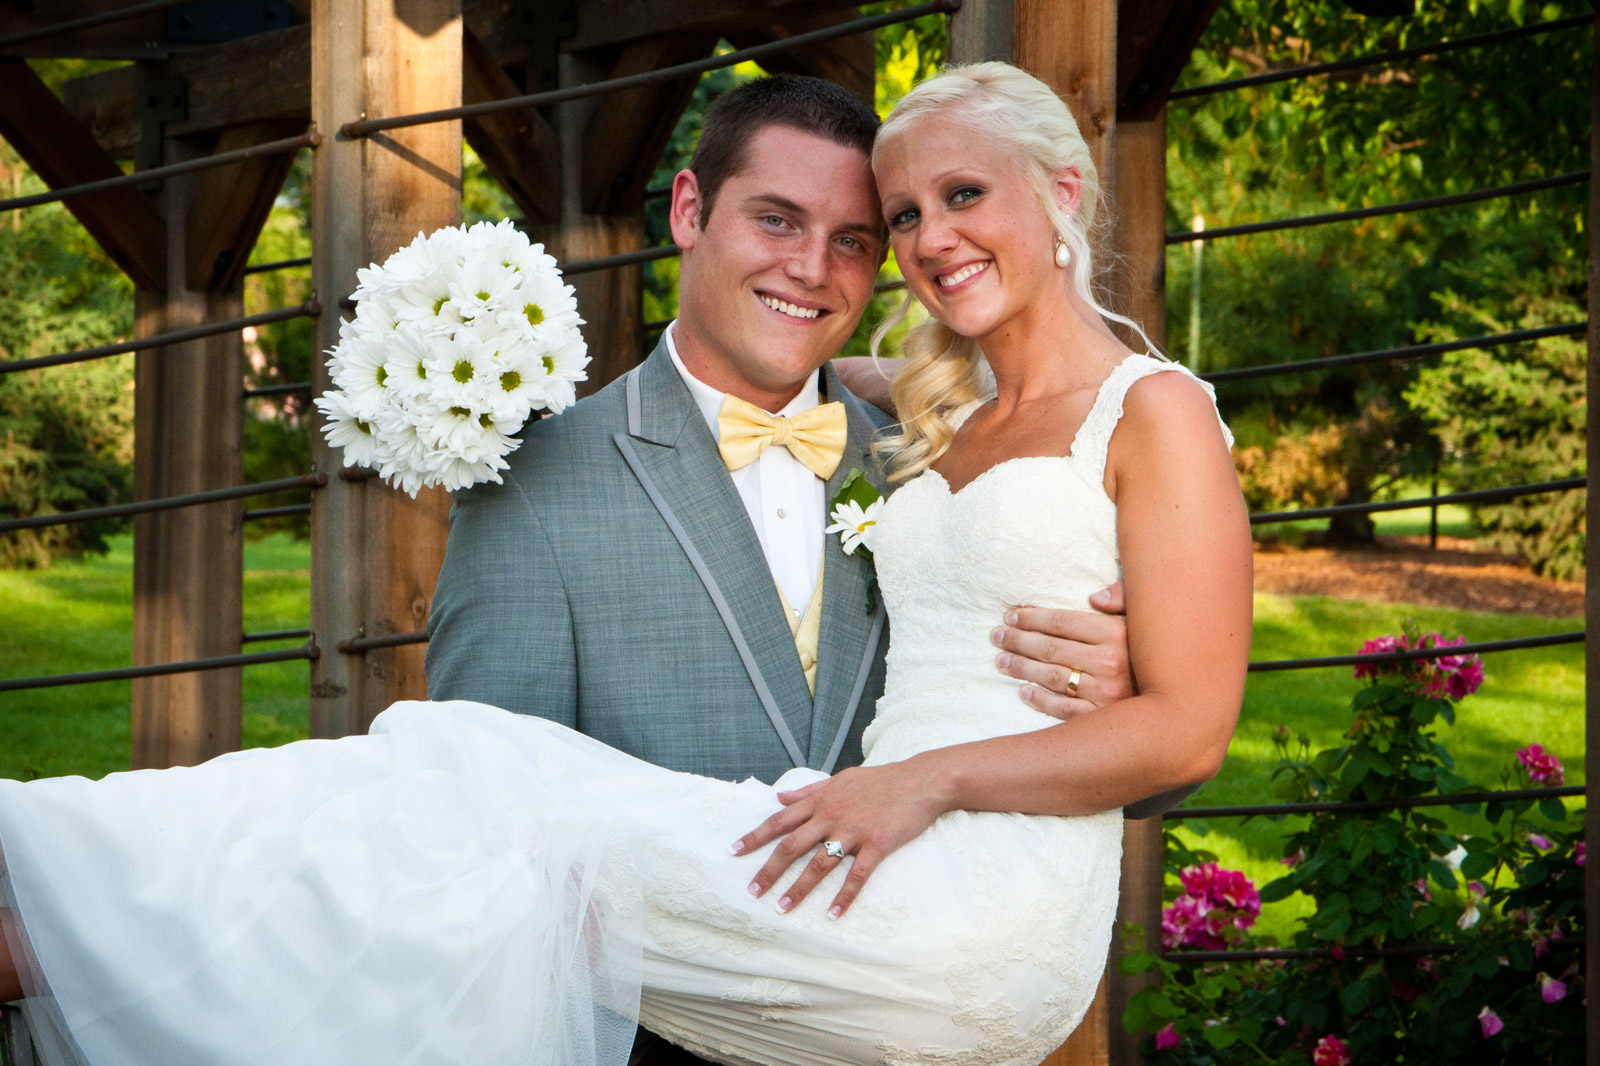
[[815, 437]]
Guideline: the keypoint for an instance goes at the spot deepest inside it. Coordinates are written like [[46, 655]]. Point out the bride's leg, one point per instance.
[[10, 971]]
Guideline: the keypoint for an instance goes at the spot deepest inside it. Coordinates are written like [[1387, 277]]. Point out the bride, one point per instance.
[[465, 885]]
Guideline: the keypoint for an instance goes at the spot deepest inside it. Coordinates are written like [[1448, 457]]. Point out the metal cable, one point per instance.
[[363, 127], [280, 634], [308, 650], [309, 139], [1414, 351], [90, 21], [309, 309], [1264, 666], [1353, 806], [278, 390], [622, 259], [1576, 177], [1305, 954], [278, 512], [122, 510], [357, 645], [1510, 492], [280, 264], [1380, 58]]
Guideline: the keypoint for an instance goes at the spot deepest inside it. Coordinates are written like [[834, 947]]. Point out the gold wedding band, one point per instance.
[[1072, 684]]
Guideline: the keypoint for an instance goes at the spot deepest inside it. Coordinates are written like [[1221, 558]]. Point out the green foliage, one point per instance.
[[1389, 879], [65, 432], [1513, 415], [1470, 119]]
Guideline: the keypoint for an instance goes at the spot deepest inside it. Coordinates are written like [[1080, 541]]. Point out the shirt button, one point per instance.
[[807, 660], [781, 513]]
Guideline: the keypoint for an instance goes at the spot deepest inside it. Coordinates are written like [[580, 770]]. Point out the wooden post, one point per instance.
[[1138, 201], [1591, 587], [608, 300], [188, 597], [375, 552]]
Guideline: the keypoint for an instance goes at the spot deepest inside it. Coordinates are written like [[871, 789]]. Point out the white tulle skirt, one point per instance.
[[467, 886]]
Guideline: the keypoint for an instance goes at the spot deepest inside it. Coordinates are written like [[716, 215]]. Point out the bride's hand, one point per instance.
[[871, 810]]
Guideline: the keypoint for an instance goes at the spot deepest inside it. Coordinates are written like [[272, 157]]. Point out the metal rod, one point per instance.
[[309, 309], [1262, 666], [278, 512], [1305, 954], [1377, 59], [90, 21], [658, 324], [1460, 799], [1414, 351], [1577, 177], [357, 645], [280, 264], [260, 488], [1591, 594], [280, 634], [309, 139], [278, 390], [308, 650], [1476, 496], [622, 259], [363, 127]]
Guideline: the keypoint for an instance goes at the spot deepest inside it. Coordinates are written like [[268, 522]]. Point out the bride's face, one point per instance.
[[969, 233]]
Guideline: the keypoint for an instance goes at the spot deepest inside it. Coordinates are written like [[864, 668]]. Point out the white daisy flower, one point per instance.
[[483, 289], [345, 429], [857, 526], [462, 371], [357, 367]]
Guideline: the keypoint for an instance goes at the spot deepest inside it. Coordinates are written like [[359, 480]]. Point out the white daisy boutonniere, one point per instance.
[[854, 514]]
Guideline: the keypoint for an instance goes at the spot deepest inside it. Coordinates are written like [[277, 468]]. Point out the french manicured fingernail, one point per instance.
[[1003, 660], [755, 888], [1011, 618], [784, 904], [835, 911], [737, 847], [997, 634]]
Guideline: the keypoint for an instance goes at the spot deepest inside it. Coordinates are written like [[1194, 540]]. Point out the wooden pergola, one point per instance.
[[219, 76]]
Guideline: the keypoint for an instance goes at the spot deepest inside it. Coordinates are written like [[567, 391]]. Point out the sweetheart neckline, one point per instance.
[[954, 493]]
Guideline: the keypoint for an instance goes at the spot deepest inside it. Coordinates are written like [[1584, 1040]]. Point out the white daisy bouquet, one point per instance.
[[457, 339]]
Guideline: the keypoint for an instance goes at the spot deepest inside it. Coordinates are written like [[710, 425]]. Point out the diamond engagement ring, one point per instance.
[[834, 848]]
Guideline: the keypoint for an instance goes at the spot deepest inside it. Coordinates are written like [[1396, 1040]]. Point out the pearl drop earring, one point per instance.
[[1063, 253]]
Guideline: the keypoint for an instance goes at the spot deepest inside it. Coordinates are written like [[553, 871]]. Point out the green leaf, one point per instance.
[[1220, 1036], [856, 489], [1552, 808], [1367, 900], [1282, 888], [1476, 864], [1355, 997], [1136, 962]]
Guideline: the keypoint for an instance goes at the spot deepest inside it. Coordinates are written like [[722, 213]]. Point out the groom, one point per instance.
[[680, 603]]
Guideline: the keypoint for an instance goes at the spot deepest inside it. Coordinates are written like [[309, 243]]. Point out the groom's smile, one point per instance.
[[777, 272]]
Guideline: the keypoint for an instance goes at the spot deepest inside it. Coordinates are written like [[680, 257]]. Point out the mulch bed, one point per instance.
[[1405, 570]]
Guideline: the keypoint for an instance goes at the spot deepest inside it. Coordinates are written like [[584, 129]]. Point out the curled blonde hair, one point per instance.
[[943, 370]]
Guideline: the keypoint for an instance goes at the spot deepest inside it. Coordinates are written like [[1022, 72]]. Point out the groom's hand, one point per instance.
[[1045, 647]]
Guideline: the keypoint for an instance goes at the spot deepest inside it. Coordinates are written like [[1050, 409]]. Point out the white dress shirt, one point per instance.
[[785, 501]]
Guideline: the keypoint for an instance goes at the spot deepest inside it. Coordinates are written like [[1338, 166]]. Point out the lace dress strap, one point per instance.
[[1093, 440]]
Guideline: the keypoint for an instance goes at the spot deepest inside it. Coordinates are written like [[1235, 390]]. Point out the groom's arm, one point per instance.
[[500, 631]]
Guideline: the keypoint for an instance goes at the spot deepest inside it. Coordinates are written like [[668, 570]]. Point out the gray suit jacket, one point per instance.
[[614, 583]]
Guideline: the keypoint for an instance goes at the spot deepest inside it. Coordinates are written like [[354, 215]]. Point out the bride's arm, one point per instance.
[[1184, 538]]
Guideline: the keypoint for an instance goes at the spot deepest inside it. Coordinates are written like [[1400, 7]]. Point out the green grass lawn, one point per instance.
[[76, 616]]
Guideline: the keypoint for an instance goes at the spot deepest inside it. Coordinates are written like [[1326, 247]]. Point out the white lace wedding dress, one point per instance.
[[469, 886]]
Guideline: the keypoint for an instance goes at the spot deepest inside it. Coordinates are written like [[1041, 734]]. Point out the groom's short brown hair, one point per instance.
[[809, 105]]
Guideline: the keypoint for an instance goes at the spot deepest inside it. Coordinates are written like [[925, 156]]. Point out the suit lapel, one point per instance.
[[850, 633], [672, 452]]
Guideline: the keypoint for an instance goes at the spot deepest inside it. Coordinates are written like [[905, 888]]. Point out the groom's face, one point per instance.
[[777, 274]]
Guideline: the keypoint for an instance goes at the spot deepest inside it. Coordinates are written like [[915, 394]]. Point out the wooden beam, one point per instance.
[[231, 204], [375, 551], [849, 61], [1139, 291], [1154, 40], [50, 140], [982, 30], [613, 326], [140, 37], [620, 153], [188, 597], [519, 147]]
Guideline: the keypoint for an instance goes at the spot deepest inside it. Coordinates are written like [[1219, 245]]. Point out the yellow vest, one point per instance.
[[807, 630]]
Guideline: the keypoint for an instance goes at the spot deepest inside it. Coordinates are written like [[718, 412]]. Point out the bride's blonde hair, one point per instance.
[[943, 370]]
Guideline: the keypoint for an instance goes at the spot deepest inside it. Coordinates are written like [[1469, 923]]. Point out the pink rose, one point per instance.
[[1543, 768], [1551, 990], [1330, 1051], [1167, 1038], [1489, 1022]]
